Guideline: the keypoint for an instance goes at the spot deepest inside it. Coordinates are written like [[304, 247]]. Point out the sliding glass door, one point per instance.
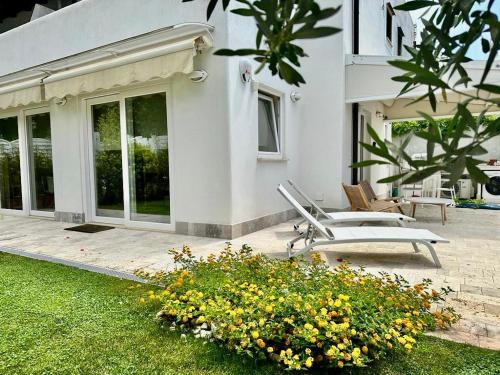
[[107, 154], [11, 196], [130, 169], [41, 176]]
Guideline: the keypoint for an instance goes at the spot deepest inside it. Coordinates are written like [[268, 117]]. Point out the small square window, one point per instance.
[[269, 123]]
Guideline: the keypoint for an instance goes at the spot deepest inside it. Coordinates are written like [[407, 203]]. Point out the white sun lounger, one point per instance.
[[350, 216], [342, 235]]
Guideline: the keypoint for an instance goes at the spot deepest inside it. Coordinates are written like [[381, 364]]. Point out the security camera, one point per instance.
[[198, 76]]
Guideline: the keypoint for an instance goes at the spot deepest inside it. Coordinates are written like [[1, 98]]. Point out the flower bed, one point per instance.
[[299, 314]]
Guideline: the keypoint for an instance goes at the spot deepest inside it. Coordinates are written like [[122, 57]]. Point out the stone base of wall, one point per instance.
[[69, 217], [230, 232]]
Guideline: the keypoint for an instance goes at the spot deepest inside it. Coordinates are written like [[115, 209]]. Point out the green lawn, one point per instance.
[[59, 320]]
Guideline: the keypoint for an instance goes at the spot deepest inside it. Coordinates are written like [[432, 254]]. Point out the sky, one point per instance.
[[475, 52]]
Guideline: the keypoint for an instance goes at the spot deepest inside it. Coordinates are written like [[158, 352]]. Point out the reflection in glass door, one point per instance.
[[107, 149], [10, 166], [148, 169], [40, 162]]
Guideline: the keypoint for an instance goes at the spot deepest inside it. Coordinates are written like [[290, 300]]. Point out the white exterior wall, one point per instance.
[[313, 128], [216, 175], [372, 19], [200, 122]]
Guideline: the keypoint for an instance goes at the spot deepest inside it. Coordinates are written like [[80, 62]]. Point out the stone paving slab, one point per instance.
[[471, 261]]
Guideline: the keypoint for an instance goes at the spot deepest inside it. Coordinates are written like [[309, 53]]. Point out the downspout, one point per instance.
[[355, 106], [355, 142]]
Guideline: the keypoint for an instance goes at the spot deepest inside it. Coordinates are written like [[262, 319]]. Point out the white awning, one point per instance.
[[16, 95], [155, 63], [155, 55]]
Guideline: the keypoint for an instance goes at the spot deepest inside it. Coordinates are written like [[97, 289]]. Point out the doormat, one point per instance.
[[89, 228]]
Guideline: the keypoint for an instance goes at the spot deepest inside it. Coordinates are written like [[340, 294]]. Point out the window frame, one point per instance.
[[389, 17], [400, 41], [276, 100]]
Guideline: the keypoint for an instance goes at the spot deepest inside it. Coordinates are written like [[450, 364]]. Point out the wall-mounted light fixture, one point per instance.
[[62, 102], [198, 76], [295, 96], [246, 71]]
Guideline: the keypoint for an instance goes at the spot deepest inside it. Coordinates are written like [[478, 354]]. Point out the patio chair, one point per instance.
[[359, 202], [343, 235], [345, 217], [372, 196]]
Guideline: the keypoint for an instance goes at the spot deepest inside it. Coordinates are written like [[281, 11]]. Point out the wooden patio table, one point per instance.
[[441, 202]]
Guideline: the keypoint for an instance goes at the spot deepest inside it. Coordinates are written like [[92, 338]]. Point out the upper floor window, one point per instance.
[[401, 35], [269, 123], [388, 21]]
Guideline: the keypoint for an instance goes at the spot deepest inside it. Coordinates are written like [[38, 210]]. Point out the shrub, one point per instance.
[[297, 313]]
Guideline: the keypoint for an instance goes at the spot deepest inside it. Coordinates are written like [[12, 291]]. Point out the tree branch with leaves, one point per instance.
[[280, 25], [439, 64]]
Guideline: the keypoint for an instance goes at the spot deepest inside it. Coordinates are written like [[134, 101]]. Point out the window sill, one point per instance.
[[272, 157]]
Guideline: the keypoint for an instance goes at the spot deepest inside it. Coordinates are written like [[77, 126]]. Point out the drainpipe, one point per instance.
[[355, 142], [355, 27], [355, 106]]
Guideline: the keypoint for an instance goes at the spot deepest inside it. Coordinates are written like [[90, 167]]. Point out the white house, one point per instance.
[[140, 137]]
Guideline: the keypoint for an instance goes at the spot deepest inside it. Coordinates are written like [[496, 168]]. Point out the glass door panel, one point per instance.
[[108, 171], [10, 166], [40, 162], [149, 184]]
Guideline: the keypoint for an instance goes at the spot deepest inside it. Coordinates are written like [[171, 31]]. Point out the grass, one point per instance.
[[59, 320]]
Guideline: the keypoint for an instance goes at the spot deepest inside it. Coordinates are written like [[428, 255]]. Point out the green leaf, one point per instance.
[[368, 163], [238, 52], [495, 89], [243, 12], [388, 180], [414, 5], [418, 176], [289, 74], [307, 32], [477, 174]]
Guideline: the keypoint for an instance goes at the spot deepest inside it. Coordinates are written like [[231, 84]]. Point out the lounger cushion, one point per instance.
[[381, 234], [368, 216]]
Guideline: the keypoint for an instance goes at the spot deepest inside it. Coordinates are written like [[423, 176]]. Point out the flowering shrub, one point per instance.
[[299, 314]]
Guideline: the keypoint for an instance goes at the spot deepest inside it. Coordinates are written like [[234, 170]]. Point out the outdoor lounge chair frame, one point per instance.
[[353, 216], [315, 227]]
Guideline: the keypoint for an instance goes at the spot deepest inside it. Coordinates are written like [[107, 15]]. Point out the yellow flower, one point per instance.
[[364, 349], [201, 319], [309, 362], [308, 351], [270, 349], [269, 308], [261, 322], [260, 343], [142, 300], [289, 352], [308, 326], [356, 353], [341, 346], [340, 364], [255, 334], [347, 357]]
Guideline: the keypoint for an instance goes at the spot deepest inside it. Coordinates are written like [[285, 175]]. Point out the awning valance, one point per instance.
[[18, 95], [156, 63]]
